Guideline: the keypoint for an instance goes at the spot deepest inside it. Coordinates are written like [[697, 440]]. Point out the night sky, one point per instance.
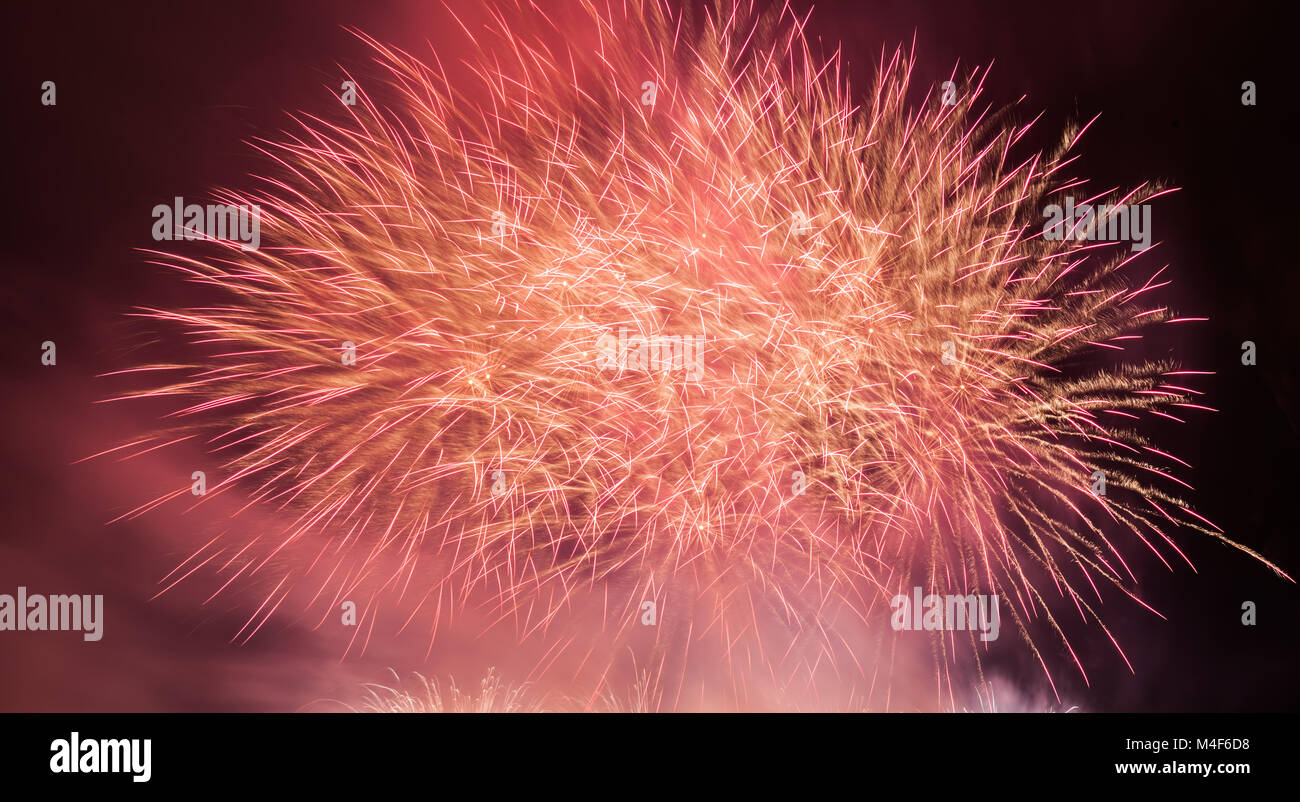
[[159, 100]]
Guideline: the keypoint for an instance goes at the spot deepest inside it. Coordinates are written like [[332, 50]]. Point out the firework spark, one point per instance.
[[494, 696], [904, 383]]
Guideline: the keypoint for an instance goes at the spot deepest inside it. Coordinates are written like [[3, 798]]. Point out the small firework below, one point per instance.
[[494, 696]]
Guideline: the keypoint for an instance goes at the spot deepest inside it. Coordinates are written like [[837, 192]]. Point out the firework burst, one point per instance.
[[494, 696], [903, 382]]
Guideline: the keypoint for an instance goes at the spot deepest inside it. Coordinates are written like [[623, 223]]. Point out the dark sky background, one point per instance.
[[158, 99]]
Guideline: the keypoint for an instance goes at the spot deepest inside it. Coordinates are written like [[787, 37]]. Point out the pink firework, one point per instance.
[[653, 324]]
